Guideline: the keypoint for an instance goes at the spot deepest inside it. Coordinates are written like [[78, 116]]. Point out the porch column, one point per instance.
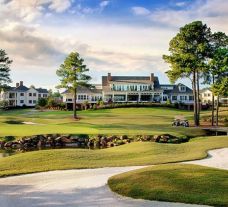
[[113, 97], [126, 97], [139, 99], [152, 97]]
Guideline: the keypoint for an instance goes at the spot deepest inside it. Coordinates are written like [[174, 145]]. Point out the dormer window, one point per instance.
[[182, 88]]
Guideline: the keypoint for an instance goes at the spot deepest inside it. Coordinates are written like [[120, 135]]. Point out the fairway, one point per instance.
[[106, 121], [175, 183], [133, 154]]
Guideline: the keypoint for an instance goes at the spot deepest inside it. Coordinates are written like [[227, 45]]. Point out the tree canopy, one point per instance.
[[5, 63], [72, 74]]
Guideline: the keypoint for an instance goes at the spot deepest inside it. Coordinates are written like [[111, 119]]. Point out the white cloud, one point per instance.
[[103, 4], [212, 12], [29, 10], [180, 4], [141, 11], [60, 5]]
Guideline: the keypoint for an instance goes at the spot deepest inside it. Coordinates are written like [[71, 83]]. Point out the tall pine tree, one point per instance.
[[72, 74], [5, 63]]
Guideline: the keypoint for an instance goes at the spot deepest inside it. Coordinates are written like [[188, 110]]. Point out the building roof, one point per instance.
[[23, 88], [84, 89], [130, 79], [176, 89], [20, 88], [42, 90]]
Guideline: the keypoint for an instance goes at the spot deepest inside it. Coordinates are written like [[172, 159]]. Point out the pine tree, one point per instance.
[[5, 63], [72, 74]]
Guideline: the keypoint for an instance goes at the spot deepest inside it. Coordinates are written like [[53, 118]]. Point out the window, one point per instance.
[[34, 101], [165, 98], [45, 95], [174, 98], [39, 95], [34, 94], [69, 99], [30, 94], [191, 98], [22, 94], [183, 98], [82, 97], [208, 94], [30, 101], [182, 88], [21, 101]]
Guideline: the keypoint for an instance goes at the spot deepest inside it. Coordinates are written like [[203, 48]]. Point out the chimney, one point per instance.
[[109, 78], [21, 83], [152, 77], [17, 85]]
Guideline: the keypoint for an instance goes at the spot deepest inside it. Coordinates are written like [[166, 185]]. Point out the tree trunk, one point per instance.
[[217, 110], [194, 95], [198, 99], [74, 106], [213, 105]]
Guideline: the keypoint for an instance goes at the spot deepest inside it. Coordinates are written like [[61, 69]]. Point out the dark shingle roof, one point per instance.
[[24, 89], [19, 89], [177, 90], [42, 90], [83, 89]]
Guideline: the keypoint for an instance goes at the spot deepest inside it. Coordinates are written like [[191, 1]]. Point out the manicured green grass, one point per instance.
[[108, 121], [175, 183], [137, 153]]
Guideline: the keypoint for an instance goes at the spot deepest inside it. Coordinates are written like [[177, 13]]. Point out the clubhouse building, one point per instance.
[[130, 89]]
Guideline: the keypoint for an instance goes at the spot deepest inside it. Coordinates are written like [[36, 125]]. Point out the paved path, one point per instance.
[[216, 158], [80, 188]]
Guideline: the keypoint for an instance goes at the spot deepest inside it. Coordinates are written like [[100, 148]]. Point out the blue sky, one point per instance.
[[124, 37]]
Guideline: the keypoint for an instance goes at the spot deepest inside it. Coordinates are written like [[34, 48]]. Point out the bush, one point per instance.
[[9, 138], [42, 102]]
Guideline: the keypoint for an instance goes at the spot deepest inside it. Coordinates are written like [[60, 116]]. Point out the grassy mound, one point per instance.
[[137, 153], [176, 183]]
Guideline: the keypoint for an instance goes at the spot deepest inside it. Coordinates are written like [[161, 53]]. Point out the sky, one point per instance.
[[124, 37]]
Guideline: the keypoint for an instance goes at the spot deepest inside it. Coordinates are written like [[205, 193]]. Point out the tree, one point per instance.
[[189, 51], [42, 102], [5, 63], [4, 104], [219, 40], [219, 63], [72, 74]]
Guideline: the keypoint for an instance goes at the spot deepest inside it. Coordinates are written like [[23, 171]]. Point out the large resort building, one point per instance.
[[114, 89], [131, 89]]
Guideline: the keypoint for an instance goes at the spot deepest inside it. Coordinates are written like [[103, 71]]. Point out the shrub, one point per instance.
[[9, 138], [42, 102]]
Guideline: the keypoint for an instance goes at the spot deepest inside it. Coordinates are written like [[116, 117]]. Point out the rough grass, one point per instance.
[[137, 153], [107, 121], [176, 183]]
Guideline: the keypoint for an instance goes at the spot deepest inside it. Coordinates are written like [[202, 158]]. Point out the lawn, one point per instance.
[[136, 153], [107, 121], [175, 183]]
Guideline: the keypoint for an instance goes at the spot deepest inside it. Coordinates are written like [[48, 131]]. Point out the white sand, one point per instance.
[[82, 188], [31, 123]]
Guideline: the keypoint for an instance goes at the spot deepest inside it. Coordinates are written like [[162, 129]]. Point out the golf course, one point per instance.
[[124, 121]]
